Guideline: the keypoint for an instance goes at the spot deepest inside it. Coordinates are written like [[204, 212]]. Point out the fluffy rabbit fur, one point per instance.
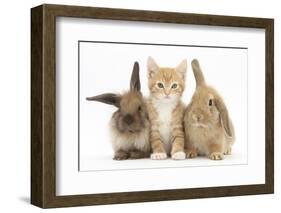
[[208, 128], [129, 124]]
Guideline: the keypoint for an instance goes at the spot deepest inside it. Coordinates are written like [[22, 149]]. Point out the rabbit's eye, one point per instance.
[[174, 86], [160, 85], [210, 102], [139, 108]]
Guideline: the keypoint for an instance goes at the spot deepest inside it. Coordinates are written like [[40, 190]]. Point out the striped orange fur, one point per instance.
[[166, 110]]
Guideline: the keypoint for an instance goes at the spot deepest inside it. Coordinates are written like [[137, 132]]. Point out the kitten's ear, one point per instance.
[[152, 67], [182, 67], [107, 98]]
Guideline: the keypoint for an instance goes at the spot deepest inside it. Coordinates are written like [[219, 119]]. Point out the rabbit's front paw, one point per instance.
[[120, 155], [216, 156], [138, 154], [178, 156], [228, 151], [191, 154], [158, 156]]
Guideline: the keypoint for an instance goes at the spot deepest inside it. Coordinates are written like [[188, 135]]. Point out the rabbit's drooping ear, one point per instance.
[[198, 74], [224, 117], [152, 67], [135, 78], [107, 98]]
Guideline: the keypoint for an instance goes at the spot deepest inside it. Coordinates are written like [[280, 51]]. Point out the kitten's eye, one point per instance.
[[174, 86], [210, 102], [160, 85]]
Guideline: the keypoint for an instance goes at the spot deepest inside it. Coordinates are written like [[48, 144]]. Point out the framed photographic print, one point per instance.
[[136, 106]]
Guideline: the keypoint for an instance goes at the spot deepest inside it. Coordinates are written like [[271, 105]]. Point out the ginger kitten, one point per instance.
[[166, 110]]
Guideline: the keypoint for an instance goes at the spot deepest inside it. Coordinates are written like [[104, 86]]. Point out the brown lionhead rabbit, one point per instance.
[[129, 124], [208, 127]]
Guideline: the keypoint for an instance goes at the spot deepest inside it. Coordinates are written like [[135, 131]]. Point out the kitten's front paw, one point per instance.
[[178, 156], [191, 154], [158, 156], [216, 156]]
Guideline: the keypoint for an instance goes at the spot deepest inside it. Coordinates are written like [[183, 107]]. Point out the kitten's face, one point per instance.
[[166, 84]]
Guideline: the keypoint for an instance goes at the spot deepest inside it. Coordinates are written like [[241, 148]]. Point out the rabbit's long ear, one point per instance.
[[135, 78], [107, 98], [198, 74], [224, 116]]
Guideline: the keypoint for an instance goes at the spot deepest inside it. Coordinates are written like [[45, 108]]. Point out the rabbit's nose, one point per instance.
[[128, 119], [197, 117]]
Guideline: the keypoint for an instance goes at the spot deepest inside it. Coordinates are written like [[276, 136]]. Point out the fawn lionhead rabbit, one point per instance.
[[129, 125]]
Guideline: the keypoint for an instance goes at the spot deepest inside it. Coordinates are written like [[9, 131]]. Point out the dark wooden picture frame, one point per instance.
[[43, 105]]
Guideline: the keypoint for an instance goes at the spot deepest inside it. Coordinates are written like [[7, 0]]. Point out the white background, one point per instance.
[[15, 104], [101, 71], [225, 68]]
